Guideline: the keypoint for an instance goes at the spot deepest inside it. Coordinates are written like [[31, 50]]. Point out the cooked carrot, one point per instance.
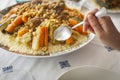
[[72, 22], [10, 27], [18, 20], [46, 36], [66, 8], [80, 30], [14, 24], [85, 33], [22, 31], [42, 36], [69, 41], [24, 18], [76, 29], [13, 10], [81, 16]]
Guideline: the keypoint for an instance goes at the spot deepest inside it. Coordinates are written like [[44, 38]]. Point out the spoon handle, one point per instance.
[[78, 25], [102, 12]]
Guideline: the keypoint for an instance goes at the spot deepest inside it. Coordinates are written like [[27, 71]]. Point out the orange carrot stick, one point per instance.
[[72, 22], [18, 20], [42, 36], [22, 31], [69, 41], [10, 27], [14, 24], [46, 36], [80, 30], [24, 18]]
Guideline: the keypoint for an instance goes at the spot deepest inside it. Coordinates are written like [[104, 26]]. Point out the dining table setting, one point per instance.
[[93, 53]]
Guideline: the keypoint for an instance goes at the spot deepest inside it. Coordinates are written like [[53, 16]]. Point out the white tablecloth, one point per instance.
[[50, 68]]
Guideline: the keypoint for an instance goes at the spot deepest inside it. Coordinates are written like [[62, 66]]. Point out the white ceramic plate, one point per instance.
[[90, 37], [89, 73]]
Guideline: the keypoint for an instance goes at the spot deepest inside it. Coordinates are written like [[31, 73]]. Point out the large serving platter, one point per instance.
[[90, 37]]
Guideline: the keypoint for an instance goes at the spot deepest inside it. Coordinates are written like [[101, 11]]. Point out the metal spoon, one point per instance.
[[64, 31]]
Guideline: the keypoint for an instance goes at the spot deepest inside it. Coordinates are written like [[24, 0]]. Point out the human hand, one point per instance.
[[103, 28]]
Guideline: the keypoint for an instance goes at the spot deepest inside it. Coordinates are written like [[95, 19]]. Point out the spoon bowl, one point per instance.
[[64, 32]]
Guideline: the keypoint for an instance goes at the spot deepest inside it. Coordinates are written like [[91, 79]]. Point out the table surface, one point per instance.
[[94, 54]]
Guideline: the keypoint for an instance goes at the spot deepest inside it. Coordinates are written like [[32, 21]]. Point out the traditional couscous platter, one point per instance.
[[30, 33]]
